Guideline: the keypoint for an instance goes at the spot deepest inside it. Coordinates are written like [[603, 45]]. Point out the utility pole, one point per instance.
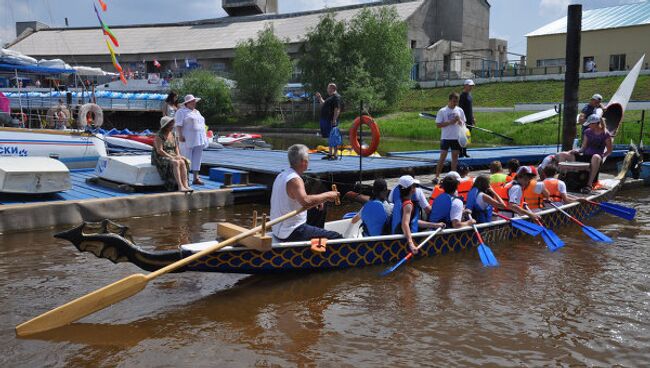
[[571, 76]]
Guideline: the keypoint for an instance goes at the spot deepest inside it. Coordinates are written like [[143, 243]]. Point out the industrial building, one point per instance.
[[613, 38], [449, 37]]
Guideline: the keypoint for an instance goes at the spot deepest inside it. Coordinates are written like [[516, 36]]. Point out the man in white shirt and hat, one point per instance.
[[191, 132], [595, 106]]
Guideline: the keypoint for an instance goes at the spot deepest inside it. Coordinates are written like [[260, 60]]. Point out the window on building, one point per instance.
[[616, 62], [446, 61], [413, 44], [550, 62]]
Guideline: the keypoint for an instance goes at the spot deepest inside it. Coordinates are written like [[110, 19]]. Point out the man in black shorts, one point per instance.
[[450, 119], [466, 103], [329, 116]]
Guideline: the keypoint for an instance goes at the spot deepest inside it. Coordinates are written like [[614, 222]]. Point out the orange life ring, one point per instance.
[[374, 131]]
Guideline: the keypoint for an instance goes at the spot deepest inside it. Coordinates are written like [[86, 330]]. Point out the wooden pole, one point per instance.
[[254, 219], [571, 76]]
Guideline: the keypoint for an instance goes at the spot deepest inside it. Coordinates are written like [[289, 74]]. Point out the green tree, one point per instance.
[[368, 57], [381, 39], [321, 54], [216, 102], [261, 69]]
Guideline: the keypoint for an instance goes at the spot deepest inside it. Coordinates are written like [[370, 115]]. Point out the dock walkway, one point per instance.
[[91, 202], [265, 165], [484, 156]]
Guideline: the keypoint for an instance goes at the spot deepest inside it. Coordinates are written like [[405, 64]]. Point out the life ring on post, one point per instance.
[[354, 135], [85, 113]]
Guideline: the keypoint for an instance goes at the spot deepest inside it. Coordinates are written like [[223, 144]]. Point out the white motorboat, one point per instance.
[[75, 149]]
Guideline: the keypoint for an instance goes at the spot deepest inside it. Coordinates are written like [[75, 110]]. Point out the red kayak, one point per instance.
[[146, 139]]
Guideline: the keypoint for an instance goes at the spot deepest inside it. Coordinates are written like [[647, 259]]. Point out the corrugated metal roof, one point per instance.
[[603, 18], [150, 39]]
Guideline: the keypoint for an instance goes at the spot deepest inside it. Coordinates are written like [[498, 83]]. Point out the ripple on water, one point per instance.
[[586, 304]]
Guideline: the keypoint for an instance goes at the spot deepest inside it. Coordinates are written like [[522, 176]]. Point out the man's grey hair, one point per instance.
[[297, 153]]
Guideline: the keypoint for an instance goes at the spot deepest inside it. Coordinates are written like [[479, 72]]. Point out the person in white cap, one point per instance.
[[190, 127], [595, 106], [406, 211], [466, 102], [596, 146], [451, 120]]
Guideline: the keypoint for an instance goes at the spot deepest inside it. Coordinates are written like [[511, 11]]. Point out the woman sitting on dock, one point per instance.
[[482, 199], [172, 167]]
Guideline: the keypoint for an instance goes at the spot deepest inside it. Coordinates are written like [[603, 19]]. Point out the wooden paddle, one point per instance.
[[122, 289]]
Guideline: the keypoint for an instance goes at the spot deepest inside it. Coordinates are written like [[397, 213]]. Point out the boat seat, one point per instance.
[[259, 242]]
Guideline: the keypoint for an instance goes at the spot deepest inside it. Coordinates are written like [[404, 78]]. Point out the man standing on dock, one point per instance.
[[289, 194], [330, 110], [450, 119], [465, 102]]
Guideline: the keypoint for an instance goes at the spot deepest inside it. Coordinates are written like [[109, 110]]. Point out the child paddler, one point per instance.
[[448, 207], [481, 200], [406, 211], [557, 188], [376, 212], [525, 189]]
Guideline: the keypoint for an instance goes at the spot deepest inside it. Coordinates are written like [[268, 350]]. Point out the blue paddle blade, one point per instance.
[[349, 215], [596, 235], [553, 242], [618, 210], [486, 255], [527, 227], [391, 269]]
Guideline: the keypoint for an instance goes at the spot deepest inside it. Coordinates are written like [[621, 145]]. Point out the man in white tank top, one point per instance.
[[288, 194]]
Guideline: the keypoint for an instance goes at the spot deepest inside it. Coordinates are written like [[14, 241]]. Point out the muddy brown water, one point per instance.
[[587, 304]]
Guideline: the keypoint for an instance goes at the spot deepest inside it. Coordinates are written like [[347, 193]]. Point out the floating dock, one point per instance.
[[263, 166], [484, 156], [91, 202]]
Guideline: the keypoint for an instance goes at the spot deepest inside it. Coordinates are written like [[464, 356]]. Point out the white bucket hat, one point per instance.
[[406, 181], [469, 82], [190, 98], [165, 120]]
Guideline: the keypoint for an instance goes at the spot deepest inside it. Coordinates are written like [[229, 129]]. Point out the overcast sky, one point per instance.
[[509, 19]]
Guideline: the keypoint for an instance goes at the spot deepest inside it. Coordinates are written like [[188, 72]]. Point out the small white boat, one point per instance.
[[33, 175], [126, 144], [135, 170], [538, 116], [75, 149]]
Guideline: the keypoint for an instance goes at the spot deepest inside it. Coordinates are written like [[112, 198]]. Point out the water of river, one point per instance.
[[587, 304]]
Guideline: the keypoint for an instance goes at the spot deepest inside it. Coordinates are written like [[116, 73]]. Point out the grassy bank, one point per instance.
[[508, 94], [406, 124]]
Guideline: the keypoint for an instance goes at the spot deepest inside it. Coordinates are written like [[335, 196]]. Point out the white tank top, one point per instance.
[[281, 204]]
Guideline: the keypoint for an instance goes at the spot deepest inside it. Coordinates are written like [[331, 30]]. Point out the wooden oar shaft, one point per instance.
[[187, 260], [120, 290]]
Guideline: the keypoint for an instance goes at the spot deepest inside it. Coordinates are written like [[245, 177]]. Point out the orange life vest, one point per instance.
[[437, 190], [510, 177], [534, 200], [464, 187], [501, 189], [552, 185]]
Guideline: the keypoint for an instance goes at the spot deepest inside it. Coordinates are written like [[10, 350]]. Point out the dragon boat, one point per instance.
[[111, 241]]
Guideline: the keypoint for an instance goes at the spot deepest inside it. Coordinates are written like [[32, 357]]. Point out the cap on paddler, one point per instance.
[[453, 174], [406, 181], [592, 119], [469, 82], [525, 170]]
